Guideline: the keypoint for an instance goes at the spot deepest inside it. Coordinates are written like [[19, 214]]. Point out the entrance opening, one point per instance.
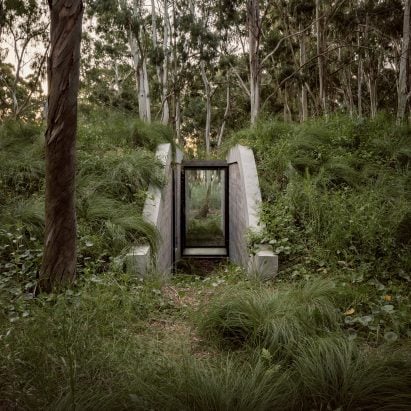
[[204, 209]]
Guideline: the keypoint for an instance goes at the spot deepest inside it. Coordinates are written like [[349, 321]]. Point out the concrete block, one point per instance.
[[263, 265], [138, 260]]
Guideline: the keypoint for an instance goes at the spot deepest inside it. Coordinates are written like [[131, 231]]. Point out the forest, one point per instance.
[[319, 90]]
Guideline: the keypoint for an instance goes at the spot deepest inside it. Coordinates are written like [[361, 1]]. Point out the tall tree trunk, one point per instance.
[[145, 89], [320, 51], [207, 89], [154, 37], [137, 74], [178, 118], [303, 61], [59, 259], [2, 18], [286, 111], [360, 75], [227, 109], [165, 115], [140, 68], [403, 86], [253, 19], [372, 89]]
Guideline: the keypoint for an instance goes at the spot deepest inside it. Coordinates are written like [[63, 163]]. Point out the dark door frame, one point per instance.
[[204, 165]]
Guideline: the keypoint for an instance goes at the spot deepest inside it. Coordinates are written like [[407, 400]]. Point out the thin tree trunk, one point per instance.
[[164, 95], [372, 89], [208, 105], [360, 73], [154, 37], [403, 86], [140, 68], [253, 18], [178, 118], [59, 259], [348, 92], [303, 61], [2, 18], [145, 92], [287, 111], [137, 75], [117, 80], [227, 109], [320, 49]]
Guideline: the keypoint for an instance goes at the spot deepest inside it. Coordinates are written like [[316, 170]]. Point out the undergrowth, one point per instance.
[[106, 344], [338, 190], [115, 165], [337, 204]]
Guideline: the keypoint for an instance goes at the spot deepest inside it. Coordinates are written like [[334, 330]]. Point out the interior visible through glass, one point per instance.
[[205, 208]]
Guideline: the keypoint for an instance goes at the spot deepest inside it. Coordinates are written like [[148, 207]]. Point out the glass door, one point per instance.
[[204, 219]]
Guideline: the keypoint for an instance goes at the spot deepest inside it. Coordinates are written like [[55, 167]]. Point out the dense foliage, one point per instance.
[[336, 204], [332, 331], [115, 165]]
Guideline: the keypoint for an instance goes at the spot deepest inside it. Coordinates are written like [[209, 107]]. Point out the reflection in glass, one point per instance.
[[204, 213]]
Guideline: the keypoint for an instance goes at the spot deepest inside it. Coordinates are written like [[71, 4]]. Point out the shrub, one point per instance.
[[275, 320], [334, 373]]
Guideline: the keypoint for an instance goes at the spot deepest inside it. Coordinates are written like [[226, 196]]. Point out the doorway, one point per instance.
[[204, 208]]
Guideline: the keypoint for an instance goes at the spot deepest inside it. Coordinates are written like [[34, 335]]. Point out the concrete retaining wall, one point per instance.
[[245, 202], [158, 210], [162, 209]]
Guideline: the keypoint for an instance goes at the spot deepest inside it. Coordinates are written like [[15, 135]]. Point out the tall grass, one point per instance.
[[337, 189], [94, 348], [334, 373], [274, 320], [114, 169]]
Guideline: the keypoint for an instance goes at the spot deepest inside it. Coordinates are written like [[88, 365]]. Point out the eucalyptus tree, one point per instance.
[[404, 74], [59, 257], [24, 25], [106, 69], [160, 53], [254, 39]]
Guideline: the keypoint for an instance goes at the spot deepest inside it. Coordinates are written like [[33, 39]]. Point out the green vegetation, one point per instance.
[[331, 332], [115, 166], [336, 204], [115, 342]]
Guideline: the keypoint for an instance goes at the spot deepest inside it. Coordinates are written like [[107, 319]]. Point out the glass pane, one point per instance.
[[205, 208]]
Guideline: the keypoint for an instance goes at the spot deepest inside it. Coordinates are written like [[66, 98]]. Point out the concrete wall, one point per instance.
[[158, 210], [244, 207], [162, 209]]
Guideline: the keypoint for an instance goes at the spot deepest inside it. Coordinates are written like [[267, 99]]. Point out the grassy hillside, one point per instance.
[[332, 332], [337, 204], [116, 163]]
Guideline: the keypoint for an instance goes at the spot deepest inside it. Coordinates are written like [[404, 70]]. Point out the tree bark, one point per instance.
[[227, 109], [253, 17], [320, 49], [140, 68], [359, 78], [403, 86], [165, 115], [303, 61], [59, 259], [207, 89]]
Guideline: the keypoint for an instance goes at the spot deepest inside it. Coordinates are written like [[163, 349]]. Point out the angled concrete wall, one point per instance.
[[244, 207], [162, 209], [158, 210]]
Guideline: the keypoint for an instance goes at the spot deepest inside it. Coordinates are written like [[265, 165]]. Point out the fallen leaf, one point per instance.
[[387, 297], [350, 311]]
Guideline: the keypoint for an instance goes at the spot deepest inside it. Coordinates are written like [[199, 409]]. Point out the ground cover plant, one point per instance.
[[331, 332], [116, 163], [336, 204], [117, 342]]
